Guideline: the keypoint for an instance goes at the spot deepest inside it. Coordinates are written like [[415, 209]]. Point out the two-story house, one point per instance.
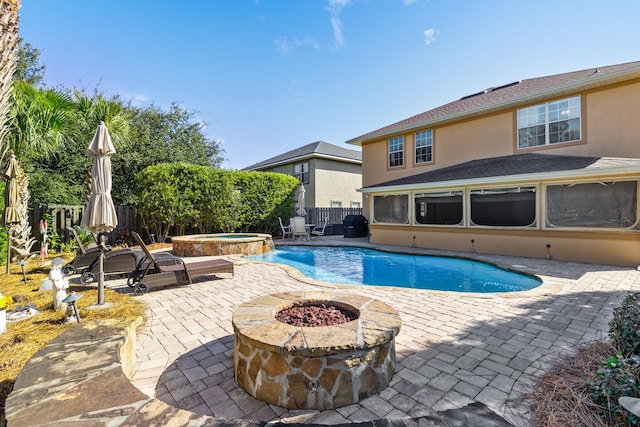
[[331, 175], [542, 167]]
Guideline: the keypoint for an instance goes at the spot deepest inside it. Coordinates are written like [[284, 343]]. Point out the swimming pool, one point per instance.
[[361, 266]]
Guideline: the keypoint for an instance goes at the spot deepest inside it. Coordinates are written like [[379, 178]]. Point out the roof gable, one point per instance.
[[315, 149], [509, 95]]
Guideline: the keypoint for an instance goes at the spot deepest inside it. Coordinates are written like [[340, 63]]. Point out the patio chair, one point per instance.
[[156, 272], [287, 230], [299, 228], [318, 230]]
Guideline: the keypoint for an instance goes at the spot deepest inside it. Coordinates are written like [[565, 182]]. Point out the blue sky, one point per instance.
[[267, 76]]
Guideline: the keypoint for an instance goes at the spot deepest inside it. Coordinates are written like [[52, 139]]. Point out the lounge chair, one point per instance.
[[318, 230], [155, 272], [287, 230], [119, 262], [86, 256]]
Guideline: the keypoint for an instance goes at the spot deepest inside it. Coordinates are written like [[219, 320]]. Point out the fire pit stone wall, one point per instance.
[[314, 367]]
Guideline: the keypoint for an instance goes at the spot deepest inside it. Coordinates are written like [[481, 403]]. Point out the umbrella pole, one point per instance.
[[101, 272], [8, 251]]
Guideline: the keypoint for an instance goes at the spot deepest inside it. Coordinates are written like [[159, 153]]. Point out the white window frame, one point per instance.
[[545, 115], [424, 140], [395, 150]]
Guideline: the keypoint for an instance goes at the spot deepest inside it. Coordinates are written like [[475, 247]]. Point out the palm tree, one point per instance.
[[9, 41], [39, 121]]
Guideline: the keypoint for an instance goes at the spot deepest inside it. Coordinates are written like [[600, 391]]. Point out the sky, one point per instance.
[[268, 76]]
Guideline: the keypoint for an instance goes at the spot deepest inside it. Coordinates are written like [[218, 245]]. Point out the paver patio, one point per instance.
[[453, 349]]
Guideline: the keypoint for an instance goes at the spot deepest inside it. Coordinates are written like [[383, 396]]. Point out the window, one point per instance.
[[595, 204], [549, 123], [504, 207], [356, 204], [396, 151], [301, 171], [392, 209], [336, 204], [424, 146], [439, 208]]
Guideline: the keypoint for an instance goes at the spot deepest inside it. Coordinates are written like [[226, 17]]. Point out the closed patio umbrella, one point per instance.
[[11, 214], [100, 214], [301, 210]]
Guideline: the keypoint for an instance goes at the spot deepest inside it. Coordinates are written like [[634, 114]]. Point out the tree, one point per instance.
[[157, 137], [29, 68], [9, 41], [39, 121], [51, 130]]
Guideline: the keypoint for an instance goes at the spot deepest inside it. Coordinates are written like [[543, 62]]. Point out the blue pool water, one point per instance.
[[360, 266]]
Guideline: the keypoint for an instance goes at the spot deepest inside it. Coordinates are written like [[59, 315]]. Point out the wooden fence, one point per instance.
[[63, 216], [334, 217]]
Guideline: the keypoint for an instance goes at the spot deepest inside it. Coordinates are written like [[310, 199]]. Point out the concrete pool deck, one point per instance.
[[453, 349]]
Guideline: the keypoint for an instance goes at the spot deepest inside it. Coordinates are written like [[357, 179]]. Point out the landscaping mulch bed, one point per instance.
[[25, 337], [560, 397]]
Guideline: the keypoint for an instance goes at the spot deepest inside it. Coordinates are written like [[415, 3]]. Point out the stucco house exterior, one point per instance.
[[331, 175], [541, 167]]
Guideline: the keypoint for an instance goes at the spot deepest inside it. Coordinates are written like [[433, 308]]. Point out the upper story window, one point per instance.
[[424, 146], [301, 171], [396, 151], [549, 123]]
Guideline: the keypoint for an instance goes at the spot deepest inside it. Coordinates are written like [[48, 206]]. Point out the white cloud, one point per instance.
[[285, 46], [335, 10], [136, 98], [408, 2], [429, 36]]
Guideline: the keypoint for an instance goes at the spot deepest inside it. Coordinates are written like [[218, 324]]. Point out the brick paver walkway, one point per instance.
[[452, 349]]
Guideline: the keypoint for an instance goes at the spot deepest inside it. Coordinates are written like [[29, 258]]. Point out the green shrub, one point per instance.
[[618, 376], [624, 328], [181, 196]]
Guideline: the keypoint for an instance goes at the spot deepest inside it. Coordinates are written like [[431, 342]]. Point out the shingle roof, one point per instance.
[[512, 166], [508, 95], [315, 149]]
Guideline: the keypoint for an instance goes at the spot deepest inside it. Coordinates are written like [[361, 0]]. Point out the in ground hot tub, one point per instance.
[[324, 367], [222, 244]]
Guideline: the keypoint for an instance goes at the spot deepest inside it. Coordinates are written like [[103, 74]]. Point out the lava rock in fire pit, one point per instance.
[[314, 315]]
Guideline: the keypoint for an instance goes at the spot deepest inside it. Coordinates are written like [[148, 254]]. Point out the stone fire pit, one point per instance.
[[321, 367]]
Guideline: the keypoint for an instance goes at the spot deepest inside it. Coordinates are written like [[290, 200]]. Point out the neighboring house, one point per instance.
[[331, 175], [540, 167]]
